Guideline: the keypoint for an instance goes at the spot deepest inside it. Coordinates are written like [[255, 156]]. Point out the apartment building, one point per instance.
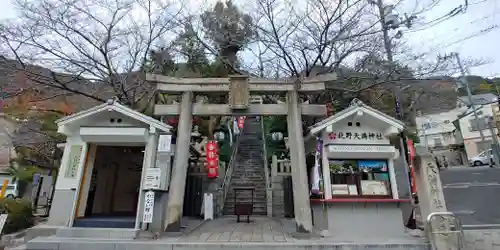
[[470, 128], [437, 130]]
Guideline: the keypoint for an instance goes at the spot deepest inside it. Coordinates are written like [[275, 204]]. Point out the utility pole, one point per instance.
[[390, 21], [463, 71]]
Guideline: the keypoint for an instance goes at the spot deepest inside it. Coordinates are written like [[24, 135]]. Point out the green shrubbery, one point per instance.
[[20, 214]]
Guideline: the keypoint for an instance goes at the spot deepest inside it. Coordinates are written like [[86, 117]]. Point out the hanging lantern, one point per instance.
[[277, 136], [212, 159], [219, 135], [329, 109], [173, 121]]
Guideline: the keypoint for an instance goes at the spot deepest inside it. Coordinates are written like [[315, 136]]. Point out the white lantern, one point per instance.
[[219, 135], [277, 136]]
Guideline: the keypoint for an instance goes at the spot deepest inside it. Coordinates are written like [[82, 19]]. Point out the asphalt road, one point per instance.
[[473, 194]]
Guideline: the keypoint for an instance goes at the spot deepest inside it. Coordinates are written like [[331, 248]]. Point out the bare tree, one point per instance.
[[100, 46], [315, 33], [319, 36]]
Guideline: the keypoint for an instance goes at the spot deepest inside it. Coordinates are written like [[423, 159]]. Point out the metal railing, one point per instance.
[[450, 225], [226, 183], [264, 153]]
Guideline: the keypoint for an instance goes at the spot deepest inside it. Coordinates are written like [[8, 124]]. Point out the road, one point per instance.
[[473, 194]]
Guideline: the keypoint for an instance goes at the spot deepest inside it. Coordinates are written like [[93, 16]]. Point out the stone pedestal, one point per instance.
[[431, 198]]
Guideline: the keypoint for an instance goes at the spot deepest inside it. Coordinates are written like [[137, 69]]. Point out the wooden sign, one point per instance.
[[74, 161], [239, 93]]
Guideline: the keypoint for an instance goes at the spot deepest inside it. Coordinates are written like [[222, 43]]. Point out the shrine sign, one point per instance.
[[355, 136]]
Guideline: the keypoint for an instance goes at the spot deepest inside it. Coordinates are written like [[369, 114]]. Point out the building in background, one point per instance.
[[438, 133], [454, 133], [470, 127]]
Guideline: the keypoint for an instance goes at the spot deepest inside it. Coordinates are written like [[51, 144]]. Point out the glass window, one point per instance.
[[360, 178]]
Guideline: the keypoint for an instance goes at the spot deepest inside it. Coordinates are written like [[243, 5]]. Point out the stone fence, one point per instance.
[[279, 170]]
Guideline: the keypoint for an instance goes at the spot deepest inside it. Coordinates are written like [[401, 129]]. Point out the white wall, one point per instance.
[[472, 138], [438, 126], [465, 123]]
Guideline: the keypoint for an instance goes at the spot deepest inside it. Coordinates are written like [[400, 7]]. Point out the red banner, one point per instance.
[[241, 121], [212, 159], [412, 153], [411, 148]]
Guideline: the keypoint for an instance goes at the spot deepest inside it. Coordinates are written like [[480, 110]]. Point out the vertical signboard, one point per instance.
[[212, 159], [74, 161], [149, 202]]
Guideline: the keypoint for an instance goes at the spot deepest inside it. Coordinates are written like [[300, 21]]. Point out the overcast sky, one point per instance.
[[452, 35]]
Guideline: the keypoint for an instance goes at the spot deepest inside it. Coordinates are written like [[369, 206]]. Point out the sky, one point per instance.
[[457, 34]]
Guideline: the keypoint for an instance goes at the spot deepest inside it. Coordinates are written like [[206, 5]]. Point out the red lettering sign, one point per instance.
[[212, 158]]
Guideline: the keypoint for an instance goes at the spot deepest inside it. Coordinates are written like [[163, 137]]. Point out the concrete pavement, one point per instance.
[[482, 240], [472, 193], [262, 233]]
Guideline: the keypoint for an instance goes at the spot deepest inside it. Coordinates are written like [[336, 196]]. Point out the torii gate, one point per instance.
[[239, 88]]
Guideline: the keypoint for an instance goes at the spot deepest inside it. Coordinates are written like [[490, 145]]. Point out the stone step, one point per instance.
[[261, 196], [96, 233], [93, 244]]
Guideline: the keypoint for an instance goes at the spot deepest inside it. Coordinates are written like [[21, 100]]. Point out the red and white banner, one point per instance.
[[241, 121], [412, 154], [212, 159]]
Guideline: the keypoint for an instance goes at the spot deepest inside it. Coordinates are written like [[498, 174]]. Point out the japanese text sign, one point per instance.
[[355, 136], [212, 159], [149, 201]]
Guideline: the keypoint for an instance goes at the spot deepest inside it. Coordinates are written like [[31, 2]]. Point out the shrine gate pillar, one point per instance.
[[180, 167], [302, 207]]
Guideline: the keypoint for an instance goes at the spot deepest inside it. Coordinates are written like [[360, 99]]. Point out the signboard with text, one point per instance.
[[355, 136], [149, 202], [152, 180], [351, 135], [212, 159]]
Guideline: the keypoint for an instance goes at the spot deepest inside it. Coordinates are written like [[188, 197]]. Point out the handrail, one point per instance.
[[229, 171], [264, 155], [457, 229]]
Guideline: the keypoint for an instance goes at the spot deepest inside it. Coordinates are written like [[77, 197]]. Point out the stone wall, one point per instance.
[[279, 170], [278, 197]]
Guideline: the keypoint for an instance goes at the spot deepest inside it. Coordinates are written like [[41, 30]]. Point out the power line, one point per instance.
[[477, 34], [452, 13]]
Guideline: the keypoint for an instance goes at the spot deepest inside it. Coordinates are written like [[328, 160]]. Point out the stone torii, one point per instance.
[[239, 88]]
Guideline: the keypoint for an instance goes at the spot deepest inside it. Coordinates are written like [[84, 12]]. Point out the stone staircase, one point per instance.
[[249, 170]]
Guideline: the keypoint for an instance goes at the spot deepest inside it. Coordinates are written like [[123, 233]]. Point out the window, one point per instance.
[[438, 142], [360, 178], [479, 124]]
